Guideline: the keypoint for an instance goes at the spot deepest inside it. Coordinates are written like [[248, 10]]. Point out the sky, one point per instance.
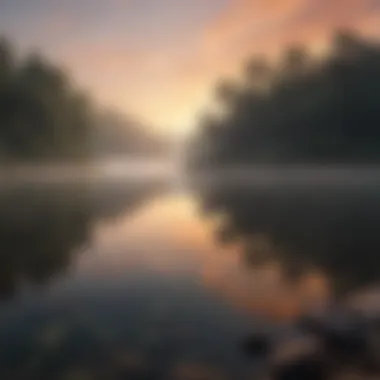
[[160, 59]]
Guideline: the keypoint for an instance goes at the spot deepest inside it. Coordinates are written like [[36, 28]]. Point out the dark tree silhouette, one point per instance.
[[304, 109], [44, 116]]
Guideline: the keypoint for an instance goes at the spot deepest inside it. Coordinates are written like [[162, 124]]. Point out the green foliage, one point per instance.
[[41, 114], [301, 110]]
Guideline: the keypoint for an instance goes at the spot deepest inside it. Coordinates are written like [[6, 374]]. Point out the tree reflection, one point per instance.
[[333, 230], [42, 230]]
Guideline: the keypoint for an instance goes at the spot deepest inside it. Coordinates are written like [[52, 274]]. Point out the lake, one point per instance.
[[151, 279]]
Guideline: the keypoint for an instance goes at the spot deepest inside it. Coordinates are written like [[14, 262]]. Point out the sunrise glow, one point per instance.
[[158, 59]]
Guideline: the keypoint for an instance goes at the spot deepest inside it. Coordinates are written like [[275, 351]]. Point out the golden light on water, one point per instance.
[[175, 241]]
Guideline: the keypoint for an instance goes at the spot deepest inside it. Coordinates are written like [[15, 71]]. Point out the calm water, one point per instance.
[[148, 280]]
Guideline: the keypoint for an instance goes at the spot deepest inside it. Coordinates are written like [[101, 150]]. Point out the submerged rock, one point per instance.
[[258, 345], [342, 333], [305, 368], [344, 339], [298, 359]]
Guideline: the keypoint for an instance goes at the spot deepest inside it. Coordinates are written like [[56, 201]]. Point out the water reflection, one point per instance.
[[321, 230], [43, 229], [135, 281], [132, 306]]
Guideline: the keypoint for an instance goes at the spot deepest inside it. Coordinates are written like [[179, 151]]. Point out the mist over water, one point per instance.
[[122, 169]]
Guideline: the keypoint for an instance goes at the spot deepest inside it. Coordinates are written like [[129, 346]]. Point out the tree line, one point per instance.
[[302, 109], [44, 116]]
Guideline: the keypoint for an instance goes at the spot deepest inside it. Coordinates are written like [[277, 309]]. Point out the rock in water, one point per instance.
[[342, 332], [258, 345], [298, 359], [304, 368]]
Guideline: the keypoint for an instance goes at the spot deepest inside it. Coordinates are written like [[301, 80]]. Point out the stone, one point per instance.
[[257, 345]]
